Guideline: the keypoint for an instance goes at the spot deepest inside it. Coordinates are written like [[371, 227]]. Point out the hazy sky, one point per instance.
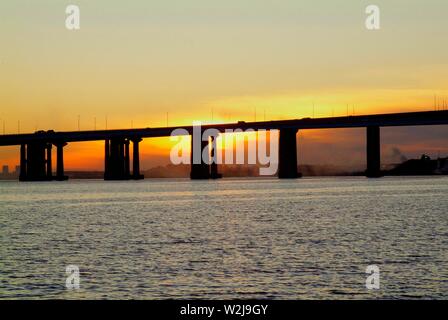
[[136, 60]]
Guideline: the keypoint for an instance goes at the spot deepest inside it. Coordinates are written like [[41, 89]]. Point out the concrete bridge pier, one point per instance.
[[199, 169], [116, 164], [106, 158], [373, 152], [48, 162], [127, 170], [135, 159], [117, 159], [35, 162], [22, 176], [214, 174], [287, 166], [60, 176]]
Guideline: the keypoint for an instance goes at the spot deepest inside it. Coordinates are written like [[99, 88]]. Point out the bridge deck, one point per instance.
[[382, 120]]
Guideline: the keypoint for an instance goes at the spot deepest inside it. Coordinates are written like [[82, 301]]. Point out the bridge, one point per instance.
[[36, 148]]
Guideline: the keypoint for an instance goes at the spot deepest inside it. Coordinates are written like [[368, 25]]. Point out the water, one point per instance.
[[251, 238]]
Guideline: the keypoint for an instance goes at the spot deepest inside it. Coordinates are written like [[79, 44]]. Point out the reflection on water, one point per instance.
[[155, 239]]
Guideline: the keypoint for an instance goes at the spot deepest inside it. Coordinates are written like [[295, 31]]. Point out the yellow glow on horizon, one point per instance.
[[147, 64]]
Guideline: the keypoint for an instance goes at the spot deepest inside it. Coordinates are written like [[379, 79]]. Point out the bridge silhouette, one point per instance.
[[36, 148]]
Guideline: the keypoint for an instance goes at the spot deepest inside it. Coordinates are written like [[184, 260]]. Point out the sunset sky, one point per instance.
[[135, 61]]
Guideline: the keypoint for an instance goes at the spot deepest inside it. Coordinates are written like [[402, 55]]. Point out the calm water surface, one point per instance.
[[250, 238]]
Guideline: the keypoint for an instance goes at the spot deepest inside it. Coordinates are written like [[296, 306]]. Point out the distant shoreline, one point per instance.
[[424, 166]]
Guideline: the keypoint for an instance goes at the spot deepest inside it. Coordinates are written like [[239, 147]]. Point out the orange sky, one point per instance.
[[134, 62]]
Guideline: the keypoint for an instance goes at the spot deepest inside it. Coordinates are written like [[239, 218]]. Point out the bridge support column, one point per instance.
[[136, 160], [106, 158], [49, 164], [287, 166], [36, 162], [127, 170], [373, 152], [116, 160], [214, 174], [60, 176], [22, 176], [199, 169]]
